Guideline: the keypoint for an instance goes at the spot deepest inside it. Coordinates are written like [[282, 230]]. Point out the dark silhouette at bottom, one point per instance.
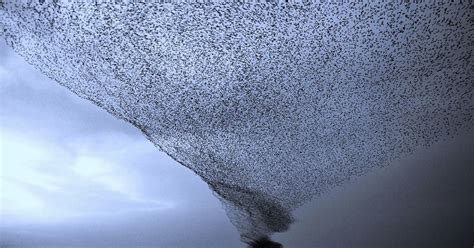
[[264, 243]]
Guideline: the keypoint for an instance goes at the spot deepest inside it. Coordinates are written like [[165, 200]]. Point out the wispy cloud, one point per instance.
[[63, 157], [41, 179]]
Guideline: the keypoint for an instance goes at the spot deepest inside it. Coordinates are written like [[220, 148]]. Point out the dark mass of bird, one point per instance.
[[269, 102]]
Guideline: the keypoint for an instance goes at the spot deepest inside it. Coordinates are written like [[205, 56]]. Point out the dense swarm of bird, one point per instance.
[[270, 102]]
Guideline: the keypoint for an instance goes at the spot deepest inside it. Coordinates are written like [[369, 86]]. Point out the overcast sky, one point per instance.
[[72, 175]]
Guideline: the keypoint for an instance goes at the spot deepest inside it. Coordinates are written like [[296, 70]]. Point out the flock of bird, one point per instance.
[[269, 102]]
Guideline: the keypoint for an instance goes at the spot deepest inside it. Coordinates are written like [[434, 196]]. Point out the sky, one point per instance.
[[72, 175], [69, 170]]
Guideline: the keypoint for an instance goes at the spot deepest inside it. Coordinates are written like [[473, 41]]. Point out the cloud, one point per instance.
[[43, 180], [63, 157]]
